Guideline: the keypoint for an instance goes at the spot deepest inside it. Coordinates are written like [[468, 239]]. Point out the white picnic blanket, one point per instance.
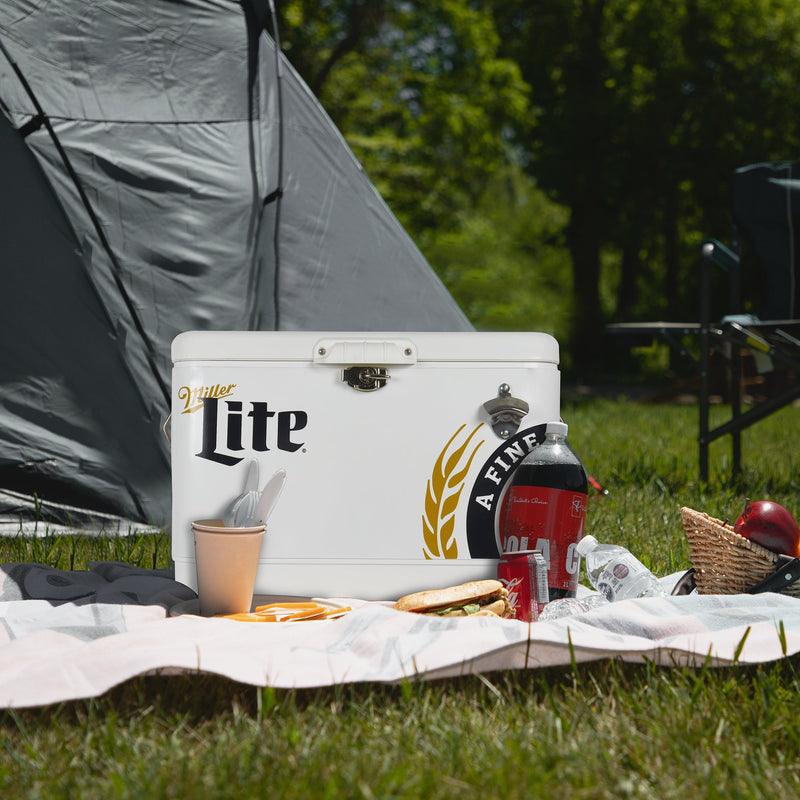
[[70, 635]]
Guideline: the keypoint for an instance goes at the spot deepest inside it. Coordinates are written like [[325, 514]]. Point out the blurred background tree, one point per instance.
[[420, 93], [557, 161], [642, 111]]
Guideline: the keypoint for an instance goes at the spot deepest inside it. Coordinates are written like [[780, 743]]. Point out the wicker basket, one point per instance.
[[724, 561]]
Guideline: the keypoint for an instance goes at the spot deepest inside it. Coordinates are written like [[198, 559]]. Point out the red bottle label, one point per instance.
[[550, 521]]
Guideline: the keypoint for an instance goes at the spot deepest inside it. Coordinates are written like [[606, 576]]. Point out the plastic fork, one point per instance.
[[243, 507]]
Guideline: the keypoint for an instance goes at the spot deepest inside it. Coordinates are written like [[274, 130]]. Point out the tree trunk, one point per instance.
[[671, 280], [586, 340], [628, 291]]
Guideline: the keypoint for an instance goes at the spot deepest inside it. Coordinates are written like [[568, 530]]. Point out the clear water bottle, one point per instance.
[[545, 509], [615, 572], [570, 606]]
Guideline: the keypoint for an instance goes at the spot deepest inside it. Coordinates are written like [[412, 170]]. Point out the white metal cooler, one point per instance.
[[398, 448]]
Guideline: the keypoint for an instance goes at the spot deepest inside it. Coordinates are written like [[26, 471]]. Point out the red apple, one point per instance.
[[770, 525]]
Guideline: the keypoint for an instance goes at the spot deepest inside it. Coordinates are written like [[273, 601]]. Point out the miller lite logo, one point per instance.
[[232, 429], [192, 396]]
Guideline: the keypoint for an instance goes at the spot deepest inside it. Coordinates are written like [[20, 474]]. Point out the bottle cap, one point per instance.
[[586, 545], [560, 428]]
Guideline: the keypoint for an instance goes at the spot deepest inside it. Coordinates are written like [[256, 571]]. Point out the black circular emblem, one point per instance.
[[488, 491]]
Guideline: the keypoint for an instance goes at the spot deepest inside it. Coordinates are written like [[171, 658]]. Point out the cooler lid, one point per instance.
[[372, 347]]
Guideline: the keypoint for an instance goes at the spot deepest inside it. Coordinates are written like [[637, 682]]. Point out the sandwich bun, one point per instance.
[[483, 598]]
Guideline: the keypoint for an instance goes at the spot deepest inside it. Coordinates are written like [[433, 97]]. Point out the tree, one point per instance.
[[419, 92], [426, 104], [505, 262], [316, 36], [640, 111], [631, 114]]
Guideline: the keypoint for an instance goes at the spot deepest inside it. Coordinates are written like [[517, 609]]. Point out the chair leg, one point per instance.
[[705, 344], [736, 408], [702, 438], [703, 461]]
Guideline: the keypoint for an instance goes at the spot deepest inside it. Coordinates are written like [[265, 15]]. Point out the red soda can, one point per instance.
[[524, 574]]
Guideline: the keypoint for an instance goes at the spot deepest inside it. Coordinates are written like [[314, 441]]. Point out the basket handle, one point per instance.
[[685, 584], [787, 573]]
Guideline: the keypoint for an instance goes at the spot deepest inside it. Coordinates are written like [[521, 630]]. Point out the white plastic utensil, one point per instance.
[[244, 505], [269, 496]]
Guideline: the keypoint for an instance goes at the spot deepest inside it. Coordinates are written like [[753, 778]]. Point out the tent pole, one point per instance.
[[95, 223]]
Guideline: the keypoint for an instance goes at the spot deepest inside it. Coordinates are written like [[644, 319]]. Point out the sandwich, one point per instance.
[[476, 598]]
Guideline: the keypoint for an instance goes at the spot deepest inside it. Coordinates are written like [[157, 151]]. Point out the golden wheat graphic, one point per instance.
[[441, 497]]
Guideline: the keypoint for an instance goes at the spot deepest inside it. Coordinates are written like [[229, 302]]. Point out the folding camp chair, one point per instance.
[[766, 211]]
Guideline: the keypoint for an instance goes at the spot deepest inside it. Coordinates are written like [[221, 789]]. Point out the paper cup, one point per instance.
[[227, 562]]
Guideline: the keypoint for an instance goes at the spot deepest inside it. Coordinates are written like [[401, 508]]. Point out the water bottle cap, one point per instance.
[[560, 428], [586, 545]]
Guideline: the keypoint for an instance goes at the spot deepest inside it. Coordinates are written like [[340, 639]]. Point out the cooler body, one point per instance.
[[398, 450]]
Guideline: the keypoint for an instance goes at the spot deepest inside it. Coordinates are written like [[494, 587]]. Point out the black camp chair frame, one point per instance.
[[774, 339], [770, 338], [766, 210]]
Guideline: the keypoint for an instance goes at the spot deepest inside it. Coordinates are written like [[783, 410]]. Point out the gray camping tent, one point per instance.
[[165, 169]]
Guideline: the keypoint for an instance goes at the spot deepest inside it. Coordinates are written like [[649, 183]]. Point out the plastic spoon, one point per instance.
[[244, 505], [269, 496]]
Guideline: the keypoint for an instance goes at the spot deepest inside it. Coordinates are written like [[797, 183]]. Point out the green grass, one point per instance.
[[602, 730], [148, 551]]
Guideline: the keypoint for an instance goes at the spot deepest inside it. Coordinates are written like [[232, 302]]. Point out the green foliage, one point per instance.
[[642, 112], [149, 551], [606, 730], [506, 263], [632, 116], [420, 94]]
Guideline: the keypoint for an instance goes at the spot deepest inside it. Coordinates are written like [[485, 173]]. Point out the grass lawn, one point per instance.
[[602, 730]]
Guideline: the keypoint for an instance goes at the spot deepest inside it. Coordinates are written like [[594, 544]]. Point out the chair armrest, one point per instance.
[[720, 254]]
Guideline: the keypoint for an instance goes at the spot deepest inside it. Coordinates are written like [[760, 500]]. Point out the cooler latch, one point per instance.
[[365, 378], [506, 412]]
